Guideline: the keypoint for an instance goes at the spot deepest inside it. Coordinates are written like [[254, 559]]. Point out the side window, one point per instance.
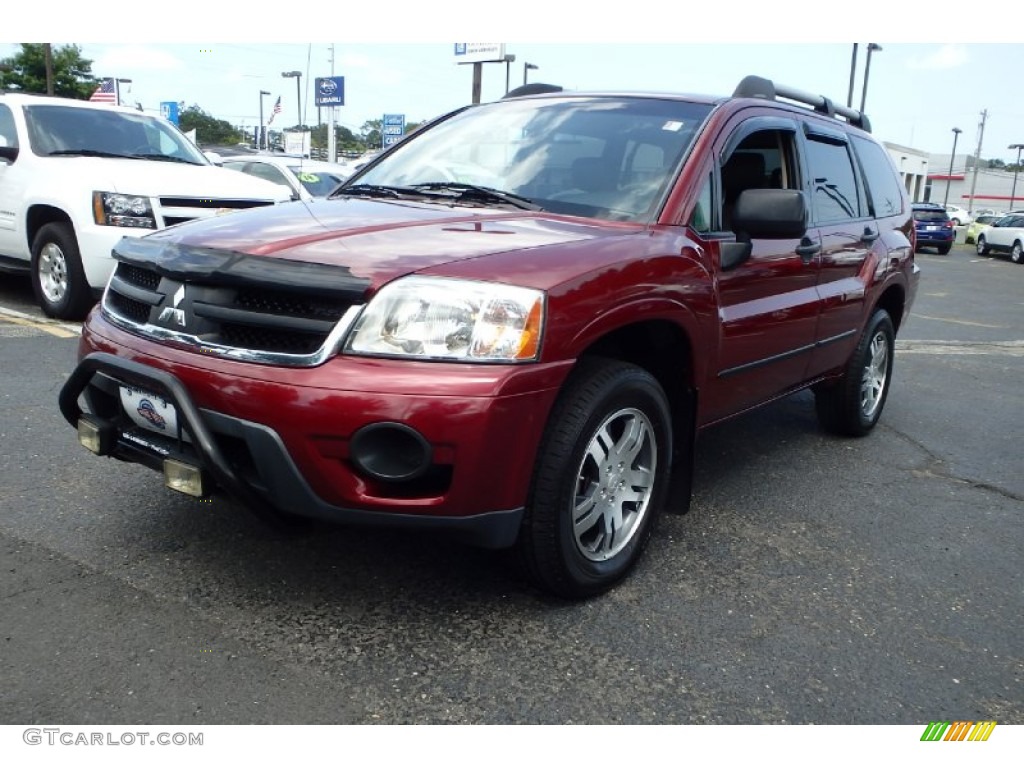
[[8, 132], [763, 160], [700, 219], [834, 196], [884, 190]]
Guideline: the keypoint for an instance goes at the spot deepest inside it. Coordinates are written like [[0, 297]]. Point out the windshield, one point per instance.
[[54, 129], [317, 183], [601, 157]]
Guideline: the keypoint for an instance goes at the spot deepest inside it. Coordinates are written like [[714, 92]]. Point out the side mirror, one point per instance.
[[214, 158], [765, 214], [771, 214], [10, 154]]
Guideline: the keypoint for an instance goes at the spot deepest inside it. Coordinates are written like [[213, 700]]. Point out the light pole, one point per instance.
[[509, 58], [260, 135], [527, 66], [949, 176], [872, 47], [1013, 192], [853, 70], [298, 91]]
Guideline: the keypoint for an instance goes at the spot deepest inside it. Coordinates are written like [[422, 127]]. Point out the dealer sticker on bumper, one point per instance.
[[150, 411]]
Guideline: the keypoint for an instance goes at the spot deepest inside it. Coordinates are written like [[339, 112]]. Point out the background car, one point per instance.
[[981, 222], [959, 216], [1004, 236], [307, 179], [933, 226]]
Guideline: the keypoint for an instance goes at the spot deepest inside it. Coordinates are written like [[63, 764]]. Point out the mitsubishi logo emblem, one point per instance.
[[174, 315]]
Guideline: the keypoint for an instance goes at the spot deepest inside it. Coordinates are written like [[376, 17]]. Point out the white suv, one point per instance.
[[76, 177]]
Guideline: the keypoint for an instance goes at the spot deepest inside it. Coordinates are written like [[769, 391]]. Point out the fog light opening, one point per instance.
[[390, 452], [184, 478]]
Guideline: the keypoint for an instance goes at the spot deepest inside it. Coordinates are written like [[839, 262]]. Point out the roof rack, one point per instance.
[[756, 87]]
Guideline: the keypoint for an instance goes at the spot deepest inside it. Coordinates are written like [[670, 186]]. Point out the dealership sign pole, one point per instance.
[[330, 92], [476, 54]]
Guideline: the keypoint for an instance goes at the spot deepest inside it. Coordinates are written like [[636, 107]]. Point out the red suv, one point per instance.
[[512, 325]]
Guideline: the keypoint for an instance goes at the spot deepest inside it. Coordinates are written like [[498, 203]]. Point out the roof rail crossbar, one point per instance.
[[756, 87]]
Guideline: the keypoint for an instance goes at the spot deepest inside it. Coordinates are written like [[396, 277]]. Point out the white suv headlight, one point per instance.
[[448, 319], [116, 210]]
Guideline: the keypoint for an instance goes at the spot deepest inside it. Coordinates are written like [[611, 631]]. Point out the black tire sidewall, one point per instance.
[[621, 386]]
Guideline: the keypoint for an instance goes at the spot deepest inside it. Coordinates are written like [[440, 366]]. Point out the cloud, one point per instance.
[[135, 58], [946, 57]]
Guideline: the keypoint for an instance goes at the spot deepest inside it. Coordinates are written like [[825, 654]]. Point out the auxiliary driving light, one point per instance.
[[89, 435], [184, 478]]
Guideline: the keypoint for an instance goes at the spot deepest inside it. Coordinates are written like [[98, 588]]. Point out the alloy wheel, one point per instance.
[[876, 371], [614, 484], [53, 272]]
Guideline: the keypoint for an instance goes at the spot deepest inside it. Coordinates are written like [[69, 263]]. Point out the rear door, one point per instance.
[[847, 233]]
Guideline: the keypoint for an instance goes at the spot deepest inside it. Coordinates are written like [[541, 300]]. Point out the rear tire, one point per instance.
[[853, 406], [599, 481], [58, 279], [944, 249], [1016, 253]]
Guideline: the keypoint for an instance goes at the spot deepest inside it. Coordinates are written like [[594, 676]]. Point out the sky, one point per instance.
[[398, 57]]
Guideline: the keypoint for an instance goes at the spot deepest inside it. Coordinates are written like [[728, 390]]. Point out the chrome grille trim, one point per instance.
[[328, 349]]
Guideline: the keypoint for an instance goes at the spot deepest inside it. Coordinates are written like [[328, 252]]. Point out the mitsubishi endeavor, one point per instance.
[[513, 325]]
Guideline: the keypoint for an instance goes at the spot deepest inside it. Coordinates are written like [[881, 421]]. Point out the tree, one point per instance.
[[72, 75], [209, 130], [370, 133]]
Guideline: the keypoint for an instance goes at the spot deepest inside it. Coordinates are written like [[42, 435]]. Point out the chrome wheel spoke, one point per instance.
[[614, 484]]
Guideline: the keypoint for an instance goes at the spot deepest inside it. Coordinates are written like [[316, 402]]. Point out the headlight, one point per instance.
[[115, 210], [441, 318]]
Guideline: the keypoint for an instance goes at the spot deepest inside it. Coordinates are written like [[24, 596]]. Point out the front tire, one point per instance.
[[58, 279], [982, 246], [1016, 254], [599, 481], [853, 406]]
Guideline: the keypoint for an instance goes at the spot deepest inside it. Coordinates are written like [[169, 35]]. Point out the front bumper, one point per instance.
[[279, 441]]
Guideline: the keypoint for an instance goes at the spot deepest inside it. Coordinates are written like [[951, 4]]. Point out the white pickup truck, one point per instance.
[[75, 177]]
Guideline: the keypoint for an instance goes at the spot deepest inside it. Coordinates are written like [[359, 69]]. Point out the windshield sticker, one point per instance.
[[672, 125]]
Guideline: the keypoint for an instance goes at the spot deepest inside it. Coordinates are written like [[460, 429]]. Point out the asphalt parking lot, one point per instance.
[[816, 579]]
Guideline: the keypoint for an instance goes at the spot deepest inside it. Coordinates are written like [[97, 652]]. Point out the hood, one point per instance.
[[381, 240], [155, 178]]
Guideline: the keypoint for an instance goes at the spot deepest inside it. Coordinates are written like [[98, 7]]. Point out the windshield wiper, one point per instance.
[[163, 158], [480, 194], [86, 153], [371, 190]]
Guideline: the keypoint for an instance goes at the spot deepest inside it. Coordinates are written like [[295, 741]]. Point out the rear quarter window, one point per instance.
[[884, 190]]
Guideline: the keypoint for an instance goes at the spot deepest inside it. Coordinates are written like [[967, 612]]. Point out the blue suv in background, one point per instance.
[[934, 227]]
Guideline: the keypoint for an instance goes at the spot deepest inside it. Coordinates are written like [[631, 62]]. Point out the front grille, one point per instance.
[[144, 278], [270, 340], [136, 311], [170, 221], [211, 202], [222, 310]]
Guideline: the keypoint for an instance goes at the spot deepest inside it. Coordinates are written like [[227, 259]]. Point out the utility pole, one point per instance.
[[48, 53], [977, 160], [332, 146]]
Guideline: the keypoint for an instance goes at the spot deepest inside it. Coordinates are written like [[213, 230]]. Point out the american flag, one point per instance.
[[276, 110], [106, 93]]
